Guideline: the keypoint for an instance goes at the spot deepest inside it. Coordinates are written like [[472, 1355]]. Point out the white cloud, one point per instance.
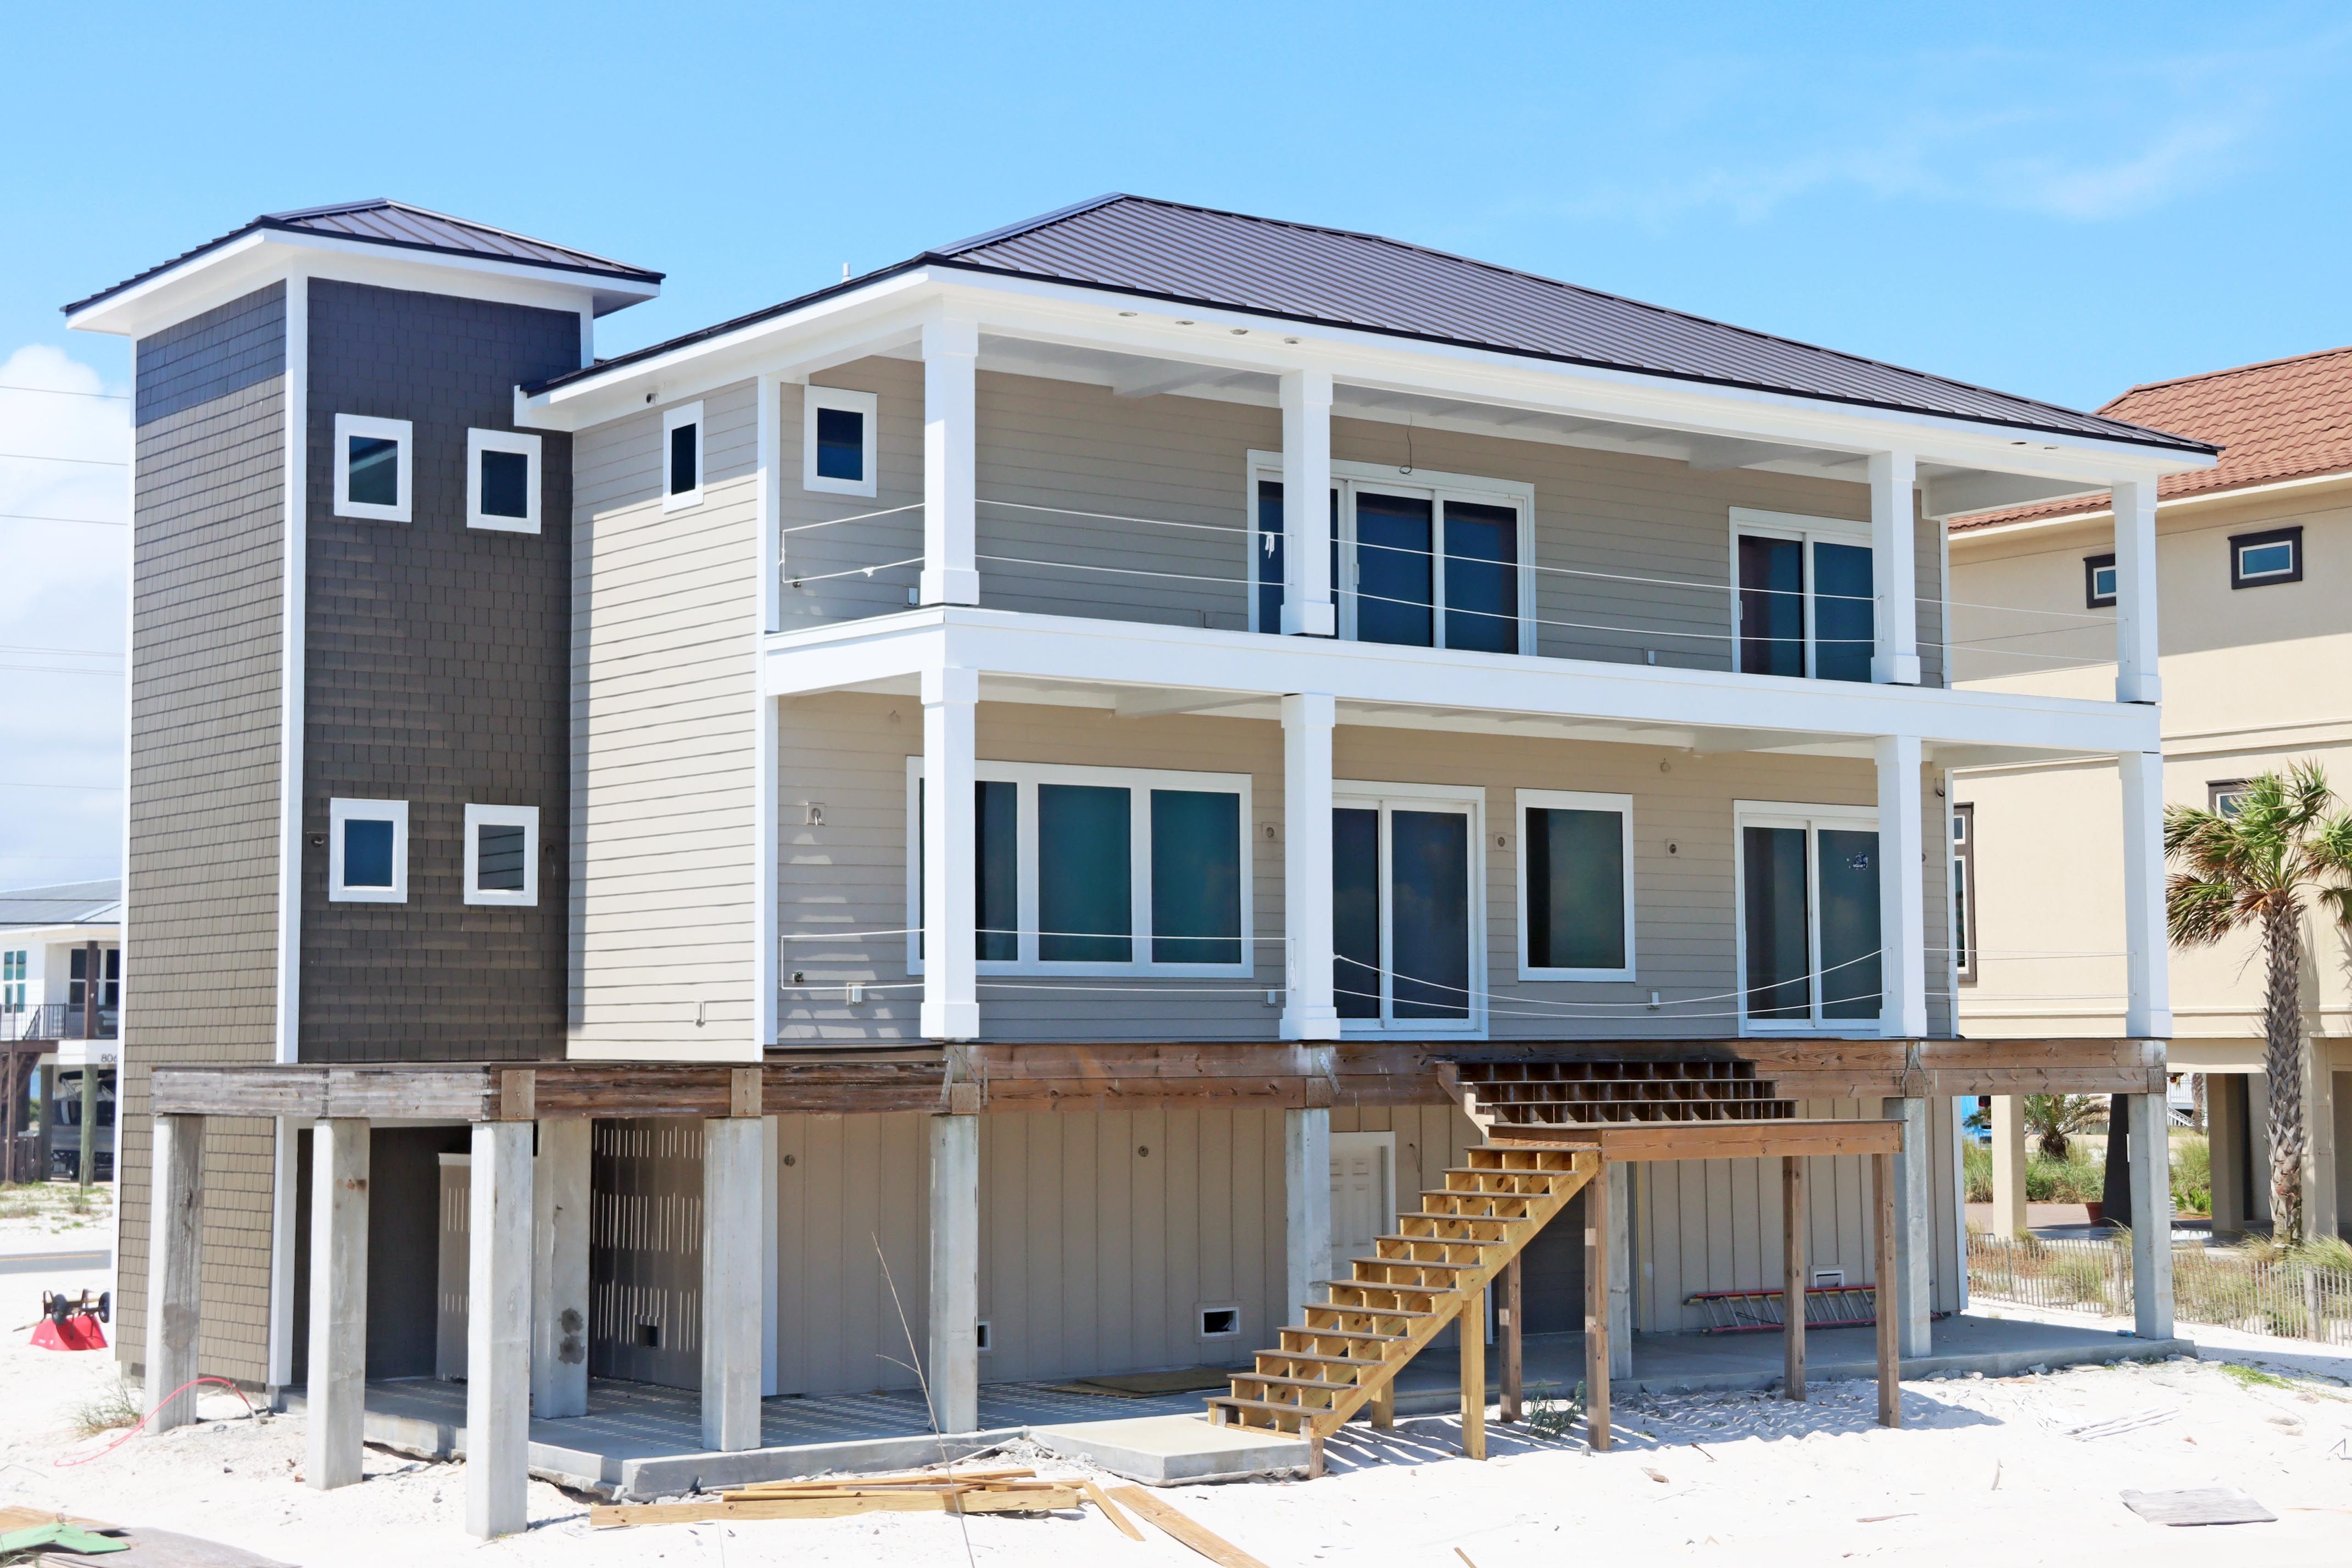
[[63, 589]]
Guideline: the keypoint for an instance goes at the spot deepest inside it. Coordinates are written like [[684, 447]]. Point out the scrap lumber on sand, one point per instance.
[[1004, 1489]]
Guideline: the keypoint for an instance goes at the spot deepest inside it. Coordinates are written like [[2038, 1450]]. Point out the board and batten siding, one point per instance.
[[848, 752], [663, 718], [207, 602]]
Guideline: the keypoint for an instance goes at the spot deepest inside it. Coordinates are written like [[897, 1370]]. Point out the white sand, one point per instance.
[[1982, 1473]]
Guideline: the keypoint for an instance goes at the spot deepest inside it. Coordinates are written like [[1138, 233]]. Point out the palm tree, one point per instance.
[[2053, 1119], [2255, 868]]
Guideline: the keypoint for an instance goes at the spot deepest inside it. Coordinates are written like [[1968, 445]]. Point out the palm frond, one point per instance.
[[2199, 911]]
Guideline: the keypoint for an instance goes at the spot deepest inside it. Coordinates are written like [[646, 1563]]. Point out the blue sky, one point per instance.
[[2054, 201]]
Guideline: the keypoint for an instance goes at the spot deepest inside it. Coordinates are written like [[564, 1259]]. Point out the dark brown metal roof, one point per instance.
[[397, 223], [1203, 258]]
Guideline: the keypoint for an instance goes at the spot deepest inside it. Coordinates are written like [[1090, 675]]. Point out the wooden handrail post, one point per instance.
[[1794, 1270], [1596, 1308], [1507, 1323], [1890, 1297], [1472, 1326]]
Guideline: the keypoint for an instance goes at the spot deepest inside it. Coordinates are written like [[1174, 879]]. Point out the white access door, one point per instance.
[[1363, 1195]]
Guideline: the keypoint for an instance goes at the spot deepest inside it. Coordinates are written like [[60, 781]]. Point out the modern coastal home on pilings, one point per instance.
[[1058, 783]]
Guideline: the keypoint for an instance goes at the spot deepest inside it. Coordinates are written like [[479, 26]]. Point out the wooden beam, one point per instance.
[[1890, 1295], [1473, 1335], [1596, 1308], [1507, 1326], [1632, 1141], [1795, 1267]]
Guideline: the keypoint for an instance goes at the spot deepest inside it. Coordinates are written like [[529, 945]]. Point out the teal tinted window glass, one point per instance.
[[498, 857], [1775, 906], [367, 852], [1086, 908], [1429, 927], [374, 471], [1196, 877], [2266, 560], [685, 471], [841, 444], [506, 484], [1772, 606], [1576, 889], [1845, 626], [1396, 582], [1482, 578], [1849, 881], [1356, 912], [997, 806]]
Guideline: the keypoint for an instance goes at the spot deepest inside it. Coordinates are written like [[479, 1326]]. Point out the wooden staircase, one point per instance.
[[1509, 1098]]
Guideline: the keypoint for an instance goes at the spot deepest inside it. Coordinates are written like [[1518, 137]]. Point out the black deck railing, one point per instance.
[[56, 1020]]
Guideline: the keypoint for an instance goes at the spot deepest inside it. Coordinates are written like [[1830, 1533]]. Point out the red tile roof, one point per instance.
[[2281, 419]]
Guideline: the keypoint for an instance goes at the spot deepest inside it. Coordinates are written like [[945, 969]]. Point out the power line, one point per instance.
[[59, 670], [21, 784], [44, 457], [92, 652], [65, 392], [94, 522]]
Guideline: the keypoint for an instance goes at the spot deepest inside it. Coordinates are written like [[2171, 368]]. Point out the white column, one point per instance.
[[2137, 680], [1306, 504], [1914, 1221], [2151, 1180], [176, 1263], [954, 1370], [558, 1254], [1308, 1012], [1621, 1273], [1894, 574], [2148, 1010], [950, 402], [337, 1391], [731, 1294], [950, 885], [771, 1339], [1307, 1206], [1902, 892], [499, 1268], [2319, 1206], [2009, 1164]]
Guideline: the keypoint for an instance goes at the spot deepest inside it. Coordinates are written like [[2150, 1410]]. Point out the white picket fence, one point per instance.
[[2219, 1286]]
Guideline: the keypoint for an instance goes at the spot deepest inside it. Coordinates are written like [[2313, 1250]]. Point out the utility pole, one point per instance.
[[93, 991]]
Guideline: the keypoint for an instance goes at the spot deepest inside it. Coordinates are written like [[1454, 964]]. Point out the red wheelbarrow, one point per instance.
[[71, 1322]]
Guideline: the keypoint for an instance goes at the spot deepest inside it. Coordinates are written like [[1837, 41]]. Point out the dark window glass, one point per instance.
[[367, 852], [1482, 579], [841, 444], [1849, 880], [685, 473], [374, 476], [506, 484], [1576, 889], [1196, 877], [77, 975], [1270, 555], [1430, 922], [1396, 582], [498, 857], [1772, 606], [1086, 907], [2098, 581], [1356, 912], [1845, 626], [997, 806], [1776, 915]]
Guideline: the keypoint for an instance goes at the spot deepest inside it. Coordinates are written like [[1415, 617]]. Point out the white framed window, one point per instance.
[[367, 852], [374, 467], [502, 481], [1576, 885], [1101, 871], [1408, 908], [1807, 896], [502, 855], [1422, 559], [838, 441], [12, 979], [681, 456], [1806, 603]]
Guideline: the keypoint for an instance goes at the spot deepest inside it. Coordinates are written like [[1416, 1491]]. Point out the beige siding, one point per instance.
[[662, 716]]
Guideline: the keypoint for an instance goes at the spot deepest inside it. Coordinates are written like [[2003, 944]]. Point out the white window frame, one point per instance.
[[1573, 801], [683, 414], [400, 430], [523, 817], [1349, 478], [1812, 817], [840, 397], [340, 810], [515, 441], [1472, 797], [1139, 783], [1808, 531]]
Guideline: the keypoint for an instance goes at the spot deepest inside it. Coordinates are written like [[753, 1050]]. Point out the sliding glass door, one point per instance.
[[1405, 945], [1806, 607], [1808, 917]]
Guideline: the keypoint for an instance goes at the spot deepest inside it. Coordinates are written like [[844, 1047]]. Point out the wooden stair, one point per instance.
[[1502, 1097]]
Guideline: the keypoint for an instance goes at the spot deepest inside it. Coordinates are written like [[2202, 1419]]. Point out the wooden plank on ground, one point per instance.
[[1112, 1512], [1181, 1527], [904, 1478], [841, 1505]]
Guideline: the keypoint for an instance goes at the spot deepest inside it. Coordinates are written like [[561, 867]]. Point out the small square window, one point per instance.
[[502, 855], [375, 466], [2275, 555], [502, 481], [682, 457], [2098, 581], [2223, 795], [837, 435], [367, 852]]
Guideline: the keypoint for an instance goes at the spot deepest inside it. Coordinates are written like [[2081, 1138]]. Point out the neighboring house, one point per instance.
[[50, 938], [883, 787], [2255, 560]]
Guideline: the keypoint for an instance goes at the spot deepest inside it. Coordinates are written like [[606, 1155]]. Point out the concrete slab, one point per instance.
[[1175, 1450]]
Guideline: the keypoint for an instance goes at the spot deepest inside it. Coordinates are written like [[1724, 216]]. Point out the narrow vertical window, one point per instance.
[[682, 457], [1196, 877], [1086, 907], [375, 466], [1482, 577], [1772, 606], [838, 441], [502, 481], [1964, 892]]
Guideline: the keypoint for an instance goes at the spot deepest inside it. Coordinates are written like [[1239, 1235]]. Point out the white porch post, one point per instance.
[[1307, 608], [1902, 894], [2320, 1210], [1621, 1274], [1306, 1205], [731, 1292], [176, 1263], [2150, 1131], [2148, 1010], [498, 1270], [954, 1370], [559, 1253], [1914, 1221], [2137, 680], [338, 1262], [1308, 1011], [950, 402], [1894, 574], [951, 889], [2009, 1160]]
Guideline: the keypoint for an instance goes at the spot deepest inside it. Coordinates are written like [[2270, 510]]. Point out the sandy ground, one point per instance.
[[54, 1217], [1983, 1471]]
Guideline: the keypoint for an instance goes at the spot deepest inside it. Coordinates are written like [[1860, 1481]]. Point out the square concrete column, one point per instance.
[[1621, 1273], [175, 1263], [2225, 1135], [1902, 895], [1307, 605], [733, 1296], [2009, 1156], [2135, 643], [2151, 1180], [2320, 1209], [339, 1272], [954, 1370], [1894, 576], [559, 1277], [499, 1263], [951, 1007], [951, 411], [1914, 1222], [771, 1328], [1307, 1206], [1308, 1009], [2147, 1006]]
